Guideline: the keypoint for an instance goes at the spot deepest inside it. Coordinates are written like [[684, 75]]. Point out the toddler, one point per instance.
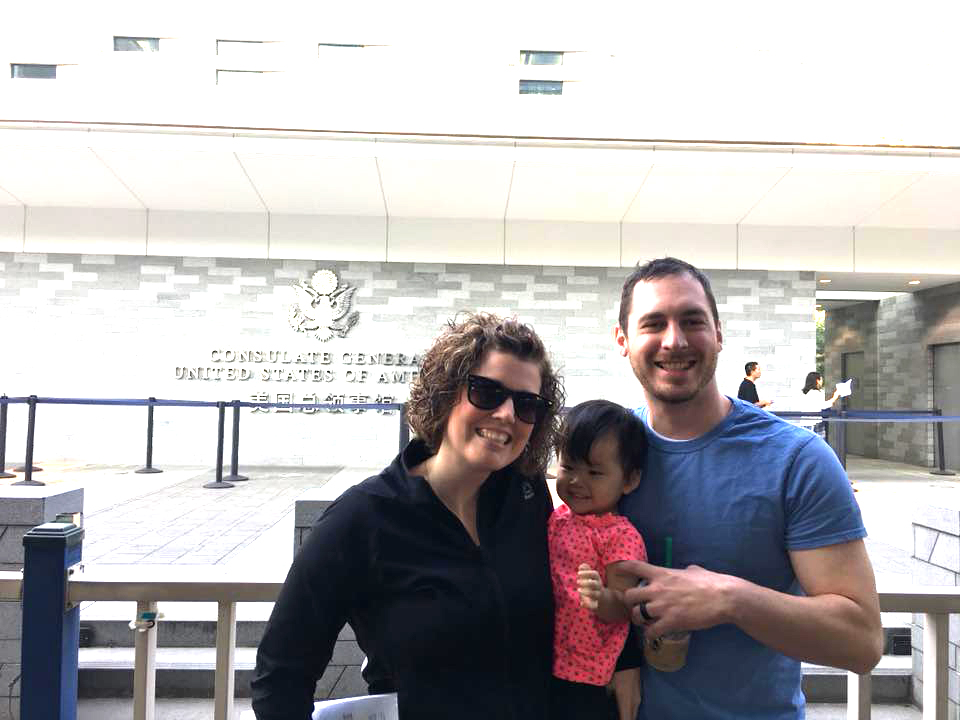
[[601, 452]]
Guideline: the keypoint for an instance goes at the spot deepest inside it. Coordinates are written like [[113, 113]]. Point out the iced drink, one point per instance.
[[667, 653]]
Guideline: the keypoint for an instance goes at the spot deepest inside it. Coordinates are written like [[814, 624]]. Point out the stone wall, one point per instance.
[[122, 326], [848, 330], [936, 561], [896, 334]]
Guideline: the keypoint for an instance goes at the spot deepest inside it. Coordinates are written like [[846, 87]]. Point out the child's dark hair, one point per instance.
[[585, 423]]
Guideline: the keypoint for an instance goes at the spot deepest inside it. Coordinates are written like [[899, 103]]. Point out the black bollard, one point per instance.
[[28, 468], [404, 427], [219, 482], [941, 468], [3, 439], [842, 440], [234, 475], [149, 468]]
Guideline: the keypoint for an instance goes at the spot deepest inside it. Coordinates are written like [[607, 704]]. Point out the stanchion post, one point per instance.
[[219, 481], [3, 438], [235, 475], [941, 468], [51, 625], [842, 440], [28, 469], [404, 427], [149, 468]]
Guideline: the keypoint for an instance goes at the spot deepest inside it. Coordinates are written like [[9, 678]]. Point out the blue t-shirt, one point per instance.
[[735, 500]]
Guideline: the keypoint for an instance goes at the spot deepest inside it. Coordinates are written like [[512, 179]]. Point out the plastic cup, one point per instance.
[[667, 653]]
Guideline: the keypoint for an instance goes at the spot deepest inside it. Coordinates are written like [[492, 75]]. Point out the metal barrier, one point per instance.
[[150, 403], [3, 438], [52, 588], [838, 419]]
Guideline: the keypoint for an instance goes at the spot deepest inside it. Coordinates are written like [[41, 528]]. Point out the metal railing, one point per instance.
[[53, 654], [33, 401], [838, 420]]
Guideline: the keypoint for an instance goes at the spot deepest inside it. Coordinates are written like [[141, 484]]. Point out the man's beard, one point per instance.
[[673, 398]]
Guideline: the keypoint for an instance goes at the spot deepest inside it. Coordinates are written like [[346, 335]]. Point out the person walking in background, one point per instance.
[[814, 400], [748, 387], [440, 562]]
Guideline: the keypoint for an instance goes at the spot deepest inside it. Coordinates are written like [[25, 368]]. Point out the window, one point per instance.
[[136, 44], [326, 49], [239, 78], [541, 57], [541, 87], [231, 47], [31, 70]]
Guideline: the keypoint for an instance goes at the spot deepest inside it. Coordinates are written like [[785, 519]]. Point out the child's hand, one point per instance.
[[590, 587]]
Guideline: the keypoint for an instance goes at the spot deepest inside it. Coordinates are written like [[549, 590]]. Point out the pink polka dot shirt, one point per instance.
[[585, 648]]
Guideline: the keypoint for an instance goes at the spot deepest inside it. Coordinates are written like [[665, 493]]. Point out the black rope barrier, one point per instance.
[[941, 468], [235, 475], [837, 419], [219, 481], [149, 469], [28, 469], [3, 439]]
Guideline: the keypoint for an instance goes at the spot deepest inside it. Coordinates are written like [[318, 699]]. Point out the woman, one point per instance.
[[814, 400], [439, 563]]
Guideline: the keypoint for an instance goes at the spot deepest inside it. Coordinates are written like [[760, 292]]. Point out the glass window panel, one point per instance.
[[239, 78], [31, 70], [327, 50], [136, 44], [541, 57], [232, 47], [541, 87]]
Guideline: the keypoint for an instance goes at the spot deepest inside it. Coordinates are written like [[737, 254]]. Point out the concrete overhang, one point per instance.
[[867, 218]]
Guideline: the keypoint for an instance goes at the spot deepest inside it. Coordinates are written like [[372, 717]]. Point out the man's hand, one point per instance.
[[836, 622], [679, 600], [590, 587], [764, 403]]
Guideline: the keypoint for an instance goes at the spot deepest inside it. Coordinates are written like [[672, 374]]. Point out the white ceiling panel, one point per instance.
[[8, 199], [837, 198], [931, 202], [307, 184], [704, 194], [61, 177], [581, 193], [305, 144], [433, 188], [907, 250], [185, 180]]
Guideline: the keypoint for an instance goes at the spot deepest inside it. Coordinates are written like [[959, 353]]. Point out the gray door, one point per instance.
[[853, 368], [946, 396]]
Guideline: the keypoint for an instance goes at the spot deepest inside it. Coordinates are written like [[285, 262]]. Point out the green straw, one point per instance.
[[668, 551]]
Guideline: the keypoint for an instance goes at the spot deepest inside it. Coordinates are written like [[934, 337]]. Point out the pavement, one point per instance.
[[171, 519]]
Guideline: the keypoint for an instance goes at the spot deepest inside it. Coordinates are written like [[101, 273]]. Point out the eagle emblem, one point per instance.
[[322, 307]]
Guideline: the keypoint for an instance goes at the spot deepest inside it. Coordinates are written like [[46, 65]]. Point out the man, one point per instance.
[[768, 562], [748, 386]]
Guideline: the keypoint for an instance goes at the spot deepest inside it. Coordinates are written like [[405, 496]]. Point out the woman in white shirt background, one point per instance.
[[814, 399]]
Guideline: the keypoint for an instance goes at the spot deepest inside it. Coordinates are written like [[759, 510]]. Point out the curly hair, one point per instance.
[[458, 351]]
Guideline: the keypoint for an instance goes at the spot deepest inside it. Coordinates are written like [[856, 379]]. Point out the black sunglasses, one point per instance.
[[488, 394]]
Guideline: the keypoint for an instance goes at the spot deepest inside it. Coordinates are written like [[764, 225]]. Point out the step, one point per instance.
[[202, 709], [189, 672], [891, 681]]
